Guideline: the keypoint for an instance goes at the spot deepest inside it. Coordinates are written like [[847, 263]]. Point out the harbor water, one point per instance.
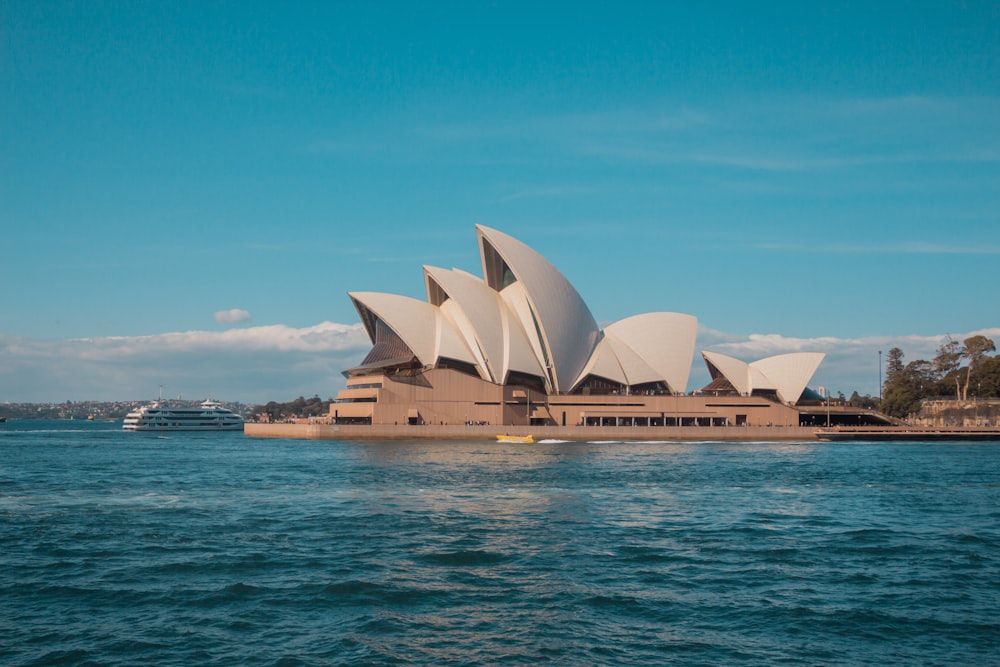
[[218, 549]]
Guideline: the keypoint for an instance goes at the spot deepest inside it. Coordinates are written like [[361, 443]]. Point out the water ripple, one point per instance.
[[118, 550]]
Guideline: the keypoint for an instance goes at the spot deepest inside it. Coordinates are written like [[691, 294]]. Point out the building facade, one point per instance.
[[520, 347]]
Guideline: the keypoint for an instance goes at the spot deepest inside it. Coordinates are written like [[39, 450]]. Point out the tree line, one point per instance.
[[958, 370], [300, 408]]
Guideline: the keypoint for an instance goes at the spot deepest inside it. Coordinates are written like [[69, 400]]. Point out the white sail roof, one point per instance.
[[735, 370], [790, 373], [523, 317], [482, 319], [552, 314], [661, 346], [604, 363], [419, 324], [786, 374]]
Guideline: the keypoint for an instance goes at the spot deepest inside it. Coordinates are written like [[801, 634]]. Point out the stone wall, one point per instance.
[[959, 413]]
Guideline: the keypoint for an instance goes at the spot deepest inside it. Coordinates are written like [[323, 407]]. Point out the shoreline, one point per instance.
[[324, 431]]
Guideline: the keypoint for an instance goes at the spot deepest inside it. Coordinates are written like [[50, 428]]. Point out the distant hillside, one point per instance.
[[92, 409]]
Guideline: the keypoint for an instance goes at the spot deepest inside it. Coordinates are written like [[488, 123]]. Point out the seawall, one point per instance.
[[323, 431]]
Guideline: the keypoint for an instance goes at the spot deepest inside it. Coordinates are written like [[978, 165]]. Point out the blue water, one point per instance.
[[215, 549]]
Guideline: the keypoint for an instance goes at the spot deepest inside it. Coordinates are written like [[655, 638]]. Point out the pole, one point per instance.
[[880, 379], [828, 408]]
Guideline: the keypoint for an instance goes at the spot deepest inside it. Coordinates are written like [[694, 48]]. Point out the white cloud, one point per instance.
[[255, 364], [850, 364], [278, 362], [232, 316]]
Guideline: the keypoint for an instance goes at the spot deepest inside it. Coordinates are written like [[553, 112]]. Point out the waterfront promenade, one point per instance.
[[325, 431]]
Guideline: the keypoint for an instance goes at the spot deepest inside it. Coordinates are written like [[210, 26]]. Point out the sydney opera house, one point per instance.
[[518, 346]]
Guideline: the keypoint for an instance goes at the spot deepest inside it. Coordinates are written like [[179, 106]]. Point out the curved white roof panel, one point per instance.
[[662, 342], [636, 369], [481, 317], [733, 369], [604, 363], [417, 323], [554, 316], [478, 318], [790, 373], [452, 312], [786, 374]]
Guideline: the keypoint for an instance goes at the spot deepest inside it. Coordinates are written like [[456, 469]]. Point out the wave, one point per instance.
[[424, 553]]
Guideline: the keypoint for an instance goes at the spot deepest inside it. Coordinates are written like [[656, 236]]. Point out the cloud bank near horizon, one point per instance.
[[252, 364], [278, 362], [851, 364]]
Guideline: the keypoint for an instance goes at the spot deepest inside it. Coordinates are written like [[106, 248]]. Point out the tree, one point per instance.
[[910, 386], [988, 378], [948, 361], [906, 386], [893, 371], [858, 401], [976, 347], [300, 407], [893, 365]]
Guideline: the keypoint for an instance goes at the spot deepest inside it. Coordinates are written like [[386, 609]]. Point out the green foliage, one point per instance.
[[906, 386], [917, 381], [893, 364], [901, 401], [985, 381], [975, 350], [300, 407], [947, 363], [858, 401]]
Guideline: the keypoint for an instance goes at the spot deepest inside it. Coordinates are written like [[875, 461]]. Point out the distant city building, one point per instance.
[[519, 346]]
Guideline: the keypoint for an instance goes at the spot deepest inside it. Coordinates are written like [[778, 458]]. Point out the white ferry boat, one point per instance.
[[211, 416]]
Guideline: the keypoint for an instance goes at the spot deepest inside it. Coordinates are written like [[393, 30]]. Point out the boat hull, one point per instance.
[[522, 439], [168, 427], [211, 416]]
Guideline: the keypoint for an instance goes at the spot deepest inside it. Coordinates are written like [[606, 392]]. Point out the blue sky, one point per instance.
[[188, 190]]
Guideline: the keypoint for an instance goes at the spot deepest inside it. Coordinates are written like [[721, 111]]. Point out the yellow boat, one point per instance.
[[524, 439]]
